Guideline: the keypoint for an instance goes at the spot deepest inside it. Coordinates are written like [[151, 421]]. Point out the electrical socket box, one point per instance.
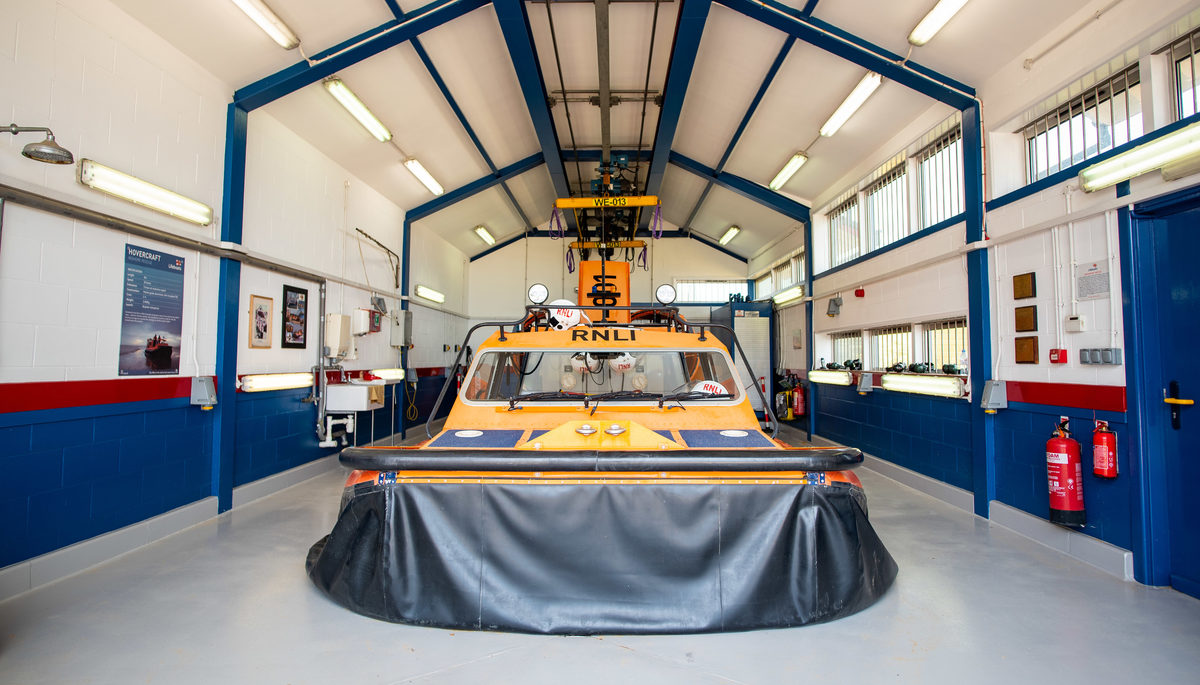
[[360, 322], [1075, 324], [337, 335], [401, 335], [1101, 355]]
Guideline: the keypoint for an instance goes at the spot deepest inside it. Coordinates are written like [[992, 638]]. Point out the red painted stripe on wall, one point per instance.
[[16, 397], [1098, 397]]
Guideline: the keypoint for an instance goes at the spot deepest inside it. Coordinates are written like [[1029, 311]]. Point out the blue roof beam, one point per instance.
[[473, 188], [748, 189], [830, 38], [692, 16], [353, 51]]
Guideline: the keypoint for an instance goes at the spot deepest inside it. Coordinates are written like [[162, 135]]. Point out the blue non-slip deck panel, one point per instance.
[[66, 481], [1021, 481], [713, 438], [487, 439], [929, 435]]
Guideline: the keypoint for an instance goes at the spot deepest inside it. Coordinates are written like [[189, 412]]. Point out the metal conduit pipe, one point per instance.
[[602, 60]]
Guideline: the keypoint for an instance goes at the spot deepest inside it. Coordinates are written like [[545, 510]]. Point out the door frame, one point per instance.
[[1144, 379]]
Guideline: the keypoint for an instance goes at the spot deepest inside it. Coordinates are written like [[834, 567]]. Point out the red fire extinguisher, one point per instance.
[[1064, 471], [798, 400], [1104, 451]]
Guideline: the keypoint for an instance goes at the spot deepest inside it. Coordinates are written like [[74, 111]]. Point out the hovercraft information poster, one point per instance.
[[151, 314]]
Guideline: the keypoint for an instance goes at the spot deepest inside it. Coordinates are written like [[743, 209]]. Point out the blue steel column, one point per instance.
[[983, 426], [1143, 382], [404, 273], [811, 395], [228, 294]]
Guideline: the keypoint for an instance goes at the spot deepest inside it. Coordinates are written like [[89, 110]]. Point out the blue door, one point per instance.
[[1177, 254]]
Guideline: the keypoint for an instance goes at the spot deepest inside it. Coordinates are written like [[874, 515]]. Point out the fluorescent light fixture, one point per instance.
[[346, 97], [793, 165], [1168, 150], [853, 101], [934, 21], [942, 386], [788, 295], [108, 180], [729, 234], [430, 294], [388, 374], [269, 22], [829, 377], [483, 234], [424, 176], [276, 381]]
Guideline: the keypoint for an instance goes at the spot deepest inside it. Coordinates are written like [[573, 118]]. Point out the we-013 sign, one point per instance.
[[601, 202]]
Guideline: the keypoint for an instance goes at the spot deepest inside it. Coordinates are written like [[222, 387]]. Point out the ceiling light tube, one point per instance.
[[729, 235], [933, 22], [424, 176], [853, 101], [262, 382], [942, 386], [388, 374], [269, 22], [430, 294], [346, 98], [133, 189], [788, 295], [484, 235], [1172, 148], [829, 377], [785, 174]]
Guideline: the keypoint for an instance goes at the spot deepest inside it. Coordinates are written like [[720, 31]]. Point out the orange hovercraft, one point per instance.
[[602, 471]]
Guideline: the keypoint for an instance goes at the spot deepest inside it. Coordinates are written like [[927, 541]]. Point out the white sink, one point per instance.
[[347, 397]]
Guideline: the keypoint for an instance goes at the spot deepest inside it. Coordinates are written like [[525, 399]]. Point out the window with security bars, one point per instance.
[[784, 275], [708, 291], [887, 209], [946, 343], [843, 233], [799, 266], [1183, 60], [764, 286], [890, 346], [940, 179], [1106, 115], [847, 346]]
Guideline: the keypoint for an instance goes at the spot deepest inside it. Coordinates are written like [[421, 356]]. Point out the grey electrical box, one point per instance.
[[1100, 355], [204, 392], [995, 396], [401, 336]]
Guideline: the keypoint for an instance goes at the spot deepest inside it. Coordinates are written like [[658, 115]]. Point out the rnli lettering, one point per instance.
[[605, 334], [604, 293]]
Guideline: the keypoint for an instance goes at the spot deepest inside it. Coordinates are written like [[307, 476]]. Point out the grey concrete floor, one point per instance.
[[228, 602]]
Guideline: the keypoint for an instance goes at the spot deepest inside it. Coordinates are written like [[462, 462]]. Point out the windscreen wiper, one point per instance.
[[691, 395], [548, 395], [619, 395]]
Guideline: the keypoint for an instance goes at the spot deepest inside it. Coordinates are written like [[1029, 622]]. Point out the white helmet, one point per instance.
[[562, 318], [622, 362], [709, 387], [581, 363]]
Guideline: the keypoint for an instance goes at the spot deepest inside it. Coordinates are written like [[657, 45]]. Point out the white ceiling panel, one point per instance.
[[680, 192], [760, 226], [735, 54], [456, 223], [484, 83], [535, 193]]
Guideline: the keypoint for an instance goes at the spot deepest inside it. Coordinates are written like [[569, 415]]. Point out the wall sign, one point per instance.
[[151, 313], [260, 321], [295, 317], [1091, 281]]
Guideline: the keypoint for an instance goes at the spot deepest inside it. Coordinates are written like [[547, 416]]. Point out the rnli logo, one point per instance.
[[605, 334]]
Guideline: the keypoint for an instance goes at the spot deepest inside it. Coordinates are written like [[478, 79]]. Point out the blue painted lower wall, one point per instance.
[[105, 467], [929, 435], [1021, 435]]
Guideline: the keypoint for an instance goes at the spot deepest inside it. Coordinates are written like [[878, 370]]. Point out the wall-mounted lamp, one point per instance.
[[834, 308], [261, 382], [866, 383], [429, 294], [47, 150], [828, 377], [133, 189], [1170, 152], [785, 296], [942, 386], [388, 374]]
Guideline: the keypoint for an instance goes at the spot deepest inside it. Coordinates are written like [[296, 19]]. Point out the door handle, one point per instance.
[[1174, 401]]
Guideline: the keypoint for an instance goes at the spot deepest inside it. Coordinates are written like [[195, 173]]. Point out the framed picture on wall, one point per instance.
[[260, 321], [295, 317]]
